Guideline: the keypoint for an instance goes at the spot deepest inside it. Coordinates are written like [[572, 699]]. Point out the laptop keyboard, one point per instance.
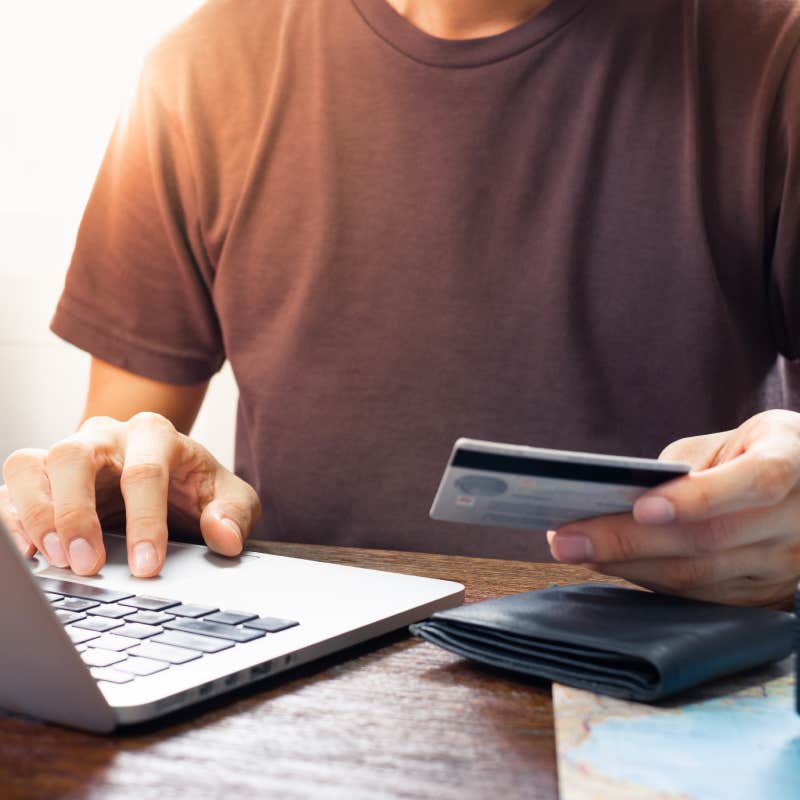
[[122, 636]]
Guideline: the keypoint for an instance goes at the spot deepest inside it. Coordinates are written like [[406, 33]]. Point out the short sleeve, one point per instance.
[[783, 218], [138, 292]]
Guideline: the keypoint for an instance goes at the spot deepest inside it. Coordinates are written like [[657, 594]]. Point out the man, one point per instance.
[[570, 224]]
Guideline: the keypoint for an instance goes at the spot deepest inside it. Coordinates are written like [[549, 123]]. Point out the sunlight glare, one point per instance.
[[66, 70]]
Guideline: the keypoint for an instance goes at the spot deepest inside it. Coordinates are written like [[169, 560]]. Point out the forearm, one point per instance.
[[117, 393]]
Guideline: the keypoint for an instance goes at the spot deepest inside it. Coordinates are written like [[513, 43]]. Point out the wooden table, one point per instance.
[[393, 718]]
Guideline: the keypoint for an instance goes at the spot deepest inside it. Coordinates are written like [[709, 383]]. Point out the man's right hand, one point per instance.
[[55, 500]]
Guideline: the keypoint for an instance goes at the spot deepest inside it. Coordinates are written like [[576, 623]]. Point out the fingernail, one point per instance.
[[83, 557], [573, 548], [229, 523], [54, 550], [144, 559], [21, 542], [653, 510]]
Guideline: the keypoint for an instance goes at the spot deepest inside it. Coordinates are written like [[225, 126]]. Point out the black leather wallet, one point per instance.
[[622, 642]]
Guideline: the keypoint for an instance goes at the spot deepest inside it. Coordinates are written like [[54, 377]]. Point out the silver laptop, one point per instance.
[[95, 653]]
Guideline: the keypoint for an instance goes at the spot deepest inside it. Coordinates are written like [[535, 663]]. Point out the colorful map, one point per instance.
[[737, 739]]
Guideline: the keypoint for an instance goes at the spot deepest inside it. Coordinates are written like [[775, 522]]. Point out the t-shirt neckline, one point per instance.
[[397, 31]]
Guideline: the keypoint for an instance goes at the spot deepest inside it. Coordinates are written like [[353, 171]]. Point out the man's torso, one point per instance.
[[556, 237]]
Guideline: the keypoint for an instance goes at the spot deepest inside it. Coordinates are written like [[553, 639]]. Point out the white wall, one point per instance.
[[66, 70]]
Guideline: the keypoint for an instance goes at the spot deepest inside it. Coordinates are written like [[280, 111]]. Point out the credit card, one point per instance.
[[490, 483]]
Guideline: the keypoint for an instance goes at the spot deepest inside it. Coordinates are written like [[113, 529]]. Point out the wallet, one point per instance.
[[622, 642]]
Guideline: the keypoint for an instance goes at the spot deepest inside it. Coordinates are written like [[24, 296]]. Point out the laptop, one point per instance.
[[112, 650]]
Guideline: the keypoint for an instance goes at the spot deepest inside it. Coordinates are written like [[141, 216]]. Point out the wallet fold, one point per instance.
[[623, 642]]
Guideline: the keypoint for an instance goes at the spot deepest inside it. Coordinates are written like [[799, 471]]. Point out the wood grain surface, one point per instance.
[[393, 718]]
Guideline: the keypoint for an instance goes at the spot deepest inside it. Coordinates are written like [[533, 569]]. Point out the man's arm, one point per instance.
[[117, 393], [130, 453]]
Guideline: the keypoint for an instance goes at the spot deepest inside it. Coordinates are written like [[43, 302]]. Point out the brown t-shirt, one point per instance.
[[583, 233]]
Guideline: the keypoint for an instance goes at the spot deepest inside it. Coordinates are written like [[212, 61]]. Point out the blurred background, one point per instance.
[[66, 70]]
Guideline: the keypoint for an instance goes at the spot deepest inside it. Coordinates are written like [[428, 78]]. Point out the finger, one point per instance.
[[72, 467], [13, 525], [621, 538], [229, 517], [150, 446], [700, 452], [747, 574], [762, 476], [25, 475]]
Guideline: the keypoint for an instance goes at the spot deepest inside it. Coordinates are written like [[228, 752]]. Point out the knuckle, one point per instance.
[[38, 519], [93, 424], [622, 546], [19, 461], [69, 451], [147, 519], [772, 419], [151, 420], [237, 509], [72, 517], [689, 573], [144, 472], [774, 478], [674, 450]]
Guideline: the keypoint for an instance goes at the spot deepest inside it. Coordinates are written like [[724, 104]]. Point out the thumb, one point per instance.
[[228, 518]]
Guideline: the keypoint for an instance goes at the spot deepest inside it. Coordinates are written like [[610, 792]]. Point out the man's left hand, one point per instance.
[[728, 532]]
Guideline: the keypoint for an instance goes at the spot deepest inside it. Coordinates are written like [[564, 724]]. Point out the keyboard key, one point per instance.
[[141, 666], [164, 652], [110, 642], [99, 624], [215, 629], [149, 617], [76, 604], [112, 610], [188, 610], [271, 624], [69, 616], [53, 597], [111, 675], [79, 637], [137, 631], [193, 642], [87, 592], [149, 603], [230, 617], [102, 658]]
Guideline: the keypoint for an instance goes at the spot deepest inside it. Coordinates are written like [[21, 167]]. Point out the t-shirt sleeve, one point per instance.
[[138, 292], [783, 218]]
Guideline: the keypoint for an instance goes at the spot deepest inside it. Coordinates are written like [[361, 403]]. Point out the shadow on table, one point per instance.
[[741, 681], [209, 710], [476, 675]]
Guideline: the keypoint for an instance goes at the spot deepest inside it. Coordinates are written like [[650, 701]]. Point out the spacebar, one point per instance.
[[215, 629], [205, 644]]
